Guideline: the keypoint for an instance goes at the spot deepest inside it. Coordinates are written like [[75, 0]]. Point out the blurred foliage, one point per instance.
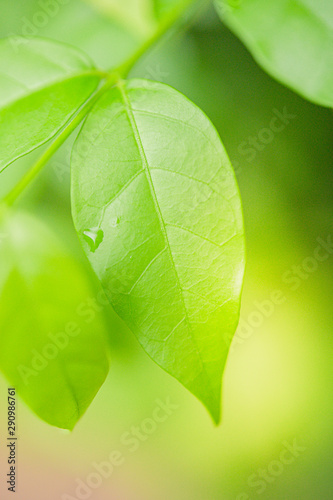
[[139, 16], [278, 382], [61, 355]]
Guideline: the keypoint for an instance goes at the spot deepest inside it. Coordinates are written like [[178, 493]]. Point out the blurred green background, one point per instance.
[[278, 382]]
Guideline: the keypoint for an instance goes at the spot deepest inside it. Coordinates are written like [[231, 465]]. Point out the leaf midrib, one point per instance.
[[131, 117]]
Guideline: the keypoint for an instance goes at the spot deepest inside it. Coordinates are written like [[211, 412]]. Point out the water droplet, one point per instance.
[[93, 237], [114, 221]]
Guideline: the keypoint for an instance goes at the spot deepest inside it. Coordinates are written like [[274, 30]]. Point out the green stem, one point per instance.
[[112, 77], [64, 134], [163, 28]]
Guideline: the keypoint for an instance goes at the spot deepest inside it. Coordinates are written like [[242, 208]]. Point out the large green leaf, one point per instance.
[[291, 39], [157, 209], [42, 84], [55, 358]]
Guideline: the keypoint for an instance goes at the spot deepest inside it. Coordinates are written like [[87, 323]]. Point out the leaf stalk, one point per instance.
[[110, 78]]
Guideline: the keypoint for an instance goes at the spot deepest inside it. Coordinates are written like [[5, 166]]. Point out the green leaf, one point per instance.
[[49, 351], [291, 39], [157, 209], [42, 84]]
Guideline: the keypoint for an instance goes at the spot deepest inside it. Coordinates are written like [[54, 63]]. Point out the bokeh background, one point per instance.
[[278, 383]]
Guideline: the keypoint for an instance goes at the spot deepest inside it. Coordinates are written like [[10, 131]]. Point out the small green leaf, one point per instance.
[[153, 189], [50, 350], [291, 39], [42, 84]]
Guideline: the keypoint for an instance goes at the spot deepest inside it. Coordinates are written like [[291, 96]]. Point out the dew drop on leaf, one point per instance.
[[93, 237]]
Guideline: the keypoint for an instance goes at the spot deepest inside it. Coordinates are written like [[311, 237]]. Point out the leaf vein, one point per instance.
[[134, 126]]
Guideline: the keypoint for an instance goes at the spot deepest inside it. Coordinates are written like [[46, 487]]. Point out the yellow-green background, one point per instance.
[[278, 381]]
